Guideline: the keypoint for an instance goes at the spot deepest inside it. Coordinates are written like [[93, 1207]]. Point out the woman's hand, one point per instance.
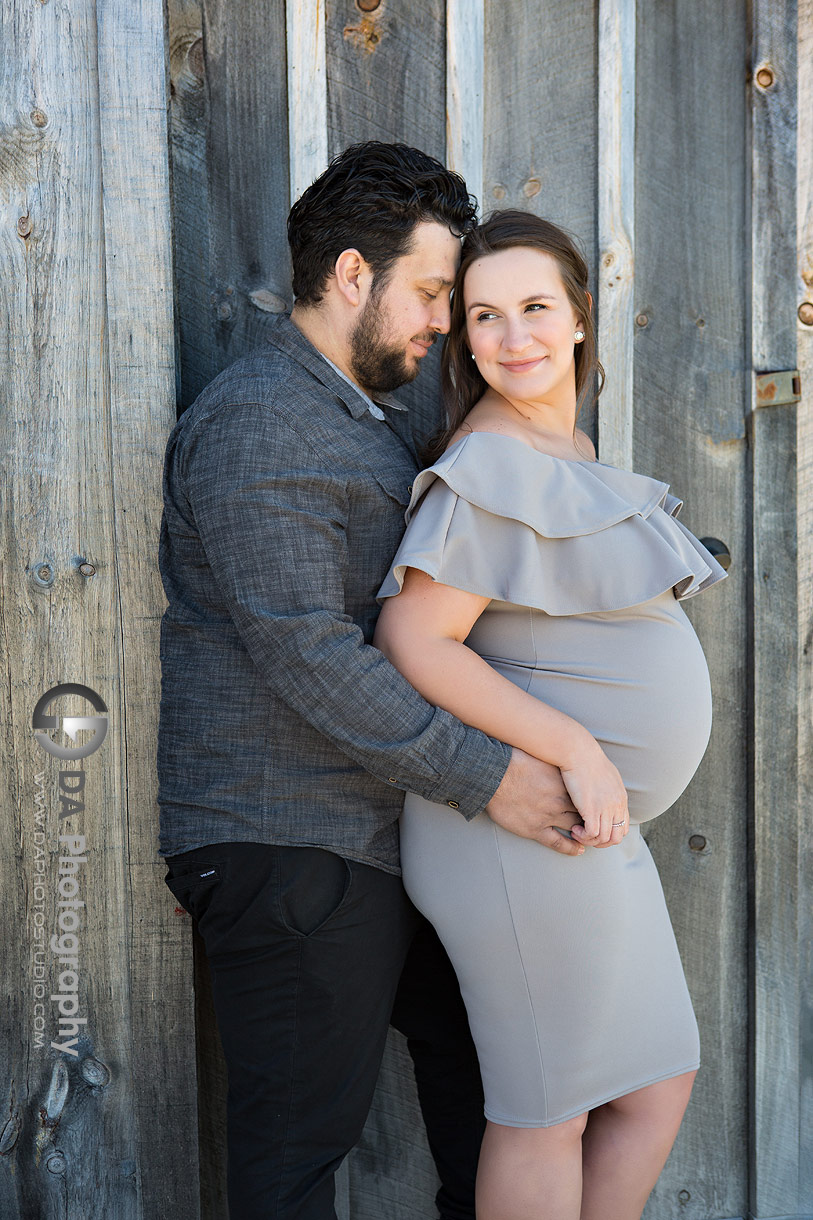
[[599, 795]]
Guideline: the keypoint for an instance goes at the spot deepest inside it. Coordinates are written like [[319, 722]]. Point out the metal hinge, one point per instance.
[[778, 389]]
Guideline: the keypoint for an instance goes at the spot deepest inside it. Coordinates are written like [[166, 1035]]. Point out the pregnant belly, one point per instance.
[[638, 680]]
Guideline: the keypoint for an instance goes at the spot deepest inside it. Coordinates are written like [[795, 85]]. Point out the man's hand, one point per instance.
[[532, 801]]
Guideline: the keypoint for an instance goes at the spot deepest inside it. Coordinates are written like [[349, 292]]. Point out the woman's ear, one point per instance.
[[579, 320]]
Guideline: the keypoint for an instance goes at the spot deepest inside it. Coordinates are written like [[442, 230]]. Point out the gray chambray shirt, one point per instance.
[[284, 503]]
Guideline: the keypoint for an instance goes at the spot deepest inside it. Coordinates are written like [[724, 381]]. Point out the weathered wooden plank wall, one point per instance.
[[634, 125], [86, 368]]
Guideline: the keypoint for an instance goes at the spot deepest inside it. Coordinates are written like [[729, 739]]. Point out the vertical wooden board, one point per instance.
[[541, 117], [804, 494], [230, 180], [465, 71], [616, 225], [195, 310], [386, 74], [691, 391], [307, 93], [139, 306], [781, 825], [76, 1155]]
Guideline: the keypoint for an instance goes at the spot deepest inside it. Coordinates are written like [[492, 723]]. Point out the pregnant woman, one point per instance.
[[536, 594]]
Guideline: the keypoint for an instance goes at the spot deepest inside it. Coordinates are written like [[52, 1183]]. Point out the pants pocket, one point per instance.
[[193, 884], [313, 884]]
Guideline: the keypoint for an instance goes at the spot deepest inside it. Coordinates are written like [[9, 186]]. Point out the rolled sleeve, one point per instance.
[[272, 517]]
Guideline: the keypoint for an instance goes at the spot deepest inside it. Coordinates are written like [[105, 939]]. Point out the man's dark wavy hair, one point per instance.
[[370, 198]]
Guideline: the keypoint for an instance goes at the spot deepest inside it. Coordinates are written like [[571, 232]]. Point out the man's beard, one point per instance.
[[374, 363]]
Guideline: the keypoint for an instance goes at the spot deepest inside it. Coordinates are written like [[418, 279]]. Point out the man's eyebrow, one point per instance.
[[537, 296], [436, 279]]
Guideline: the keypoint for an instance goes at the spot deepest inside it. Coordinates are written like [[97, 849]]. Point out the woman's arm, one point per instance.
[[421, 631]]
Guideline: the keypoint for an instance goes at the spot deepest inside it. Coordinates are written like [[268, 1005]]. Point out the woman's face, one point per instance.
[[520, 326]]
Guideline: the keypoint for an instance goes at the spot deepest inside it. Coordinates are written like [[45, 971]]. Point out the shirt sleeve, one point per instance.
[[272, 513]]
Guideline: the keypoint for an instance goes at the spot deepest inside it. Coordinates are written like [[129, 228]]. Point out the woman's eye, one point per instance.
[[535, 305], [483, 317]]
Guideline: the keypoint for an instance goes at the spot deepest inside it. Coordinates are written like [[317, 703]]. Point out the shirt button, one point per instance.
[[453, 804]]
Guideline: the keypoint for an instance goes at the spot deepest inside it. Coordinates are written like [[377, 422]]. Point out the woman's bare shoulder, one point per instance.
[[486, 419]]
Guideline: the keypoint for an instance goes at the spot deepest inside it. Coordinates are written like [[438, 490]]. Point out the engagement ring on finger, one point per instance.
[[620, 823]]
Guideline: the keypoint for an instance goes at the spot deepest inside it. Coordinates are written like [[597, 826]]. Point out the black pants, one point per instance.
[[311, 957]]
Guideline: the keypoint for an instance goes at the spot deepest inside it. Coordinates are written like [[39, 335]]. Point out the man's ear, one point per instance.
[[352, 273]]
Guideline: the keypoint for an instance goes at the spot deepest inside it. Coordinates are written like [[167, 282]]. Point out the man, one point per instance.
[[286, 740]]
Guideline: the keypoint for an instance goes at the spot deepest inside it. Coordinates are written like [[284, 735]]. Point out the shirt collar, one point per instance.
[[283, 334]]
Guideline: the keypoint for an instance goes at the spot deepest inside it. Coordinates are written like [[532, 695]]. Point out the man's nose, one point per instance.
[[441, 316]]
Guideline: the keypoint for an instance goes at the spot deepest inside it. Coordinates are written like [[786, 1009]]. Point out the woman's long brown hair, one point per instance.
[[461, 382]]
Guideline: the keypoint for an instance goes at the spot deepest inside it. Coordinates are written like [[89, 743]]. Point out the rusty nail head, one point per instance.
[[806, 313], [39, 118], [642, 320], [24, 226], [43, 572], [368, 6], [697, 842], [684, 1196], [87, 569], [765, 78]]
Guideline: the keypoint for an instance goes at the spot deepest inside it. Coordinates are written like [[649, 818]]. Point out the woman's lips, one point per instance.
[[522, 366]]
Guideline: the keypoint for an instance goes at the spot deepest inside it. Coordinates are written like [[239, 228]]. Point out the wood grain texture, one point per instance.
[[541, 117], [691, 387], [230, 181], [140, 334], [465, 67], [616, 221], [781, 825], [307, 93], [87, 372], [804, 525]]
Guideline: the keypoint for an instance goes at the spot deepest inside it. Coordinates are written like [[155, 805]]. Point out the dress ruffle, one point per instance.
[[507, 522]]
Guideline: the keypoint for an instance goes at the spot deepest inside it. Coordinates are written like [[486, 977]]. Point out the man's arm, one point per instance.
[[271, 513]]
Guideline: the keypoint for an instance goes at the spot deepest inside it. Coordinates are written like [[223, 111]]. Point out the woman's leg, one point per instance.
[[531, 1173], [625, 1146]]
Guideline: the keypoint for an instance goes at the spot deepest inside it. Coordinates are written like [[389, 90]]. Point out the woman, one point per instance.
[[535, 595]]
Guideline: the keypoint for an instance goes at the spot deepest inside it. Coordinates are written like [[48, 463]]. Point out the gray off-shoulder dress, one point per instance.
[[568, 966]]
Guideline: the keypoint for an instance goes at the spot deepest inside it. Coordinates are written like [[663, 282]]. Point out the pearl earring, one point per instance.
[[472, 355], [578, 336]]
